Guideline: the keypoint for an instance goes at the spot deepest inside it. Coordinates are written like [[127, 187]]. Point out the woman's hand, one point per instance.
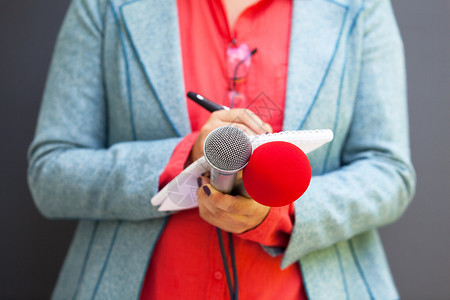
[[235, 214], [242, 118]]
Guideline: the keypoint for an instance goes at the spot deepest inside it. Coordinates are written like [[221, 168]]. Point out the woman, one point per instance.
[[115, 126]]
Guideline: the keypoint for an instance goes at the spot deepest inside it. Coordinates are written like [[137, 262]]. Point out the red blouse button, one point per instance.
[[218, 275]]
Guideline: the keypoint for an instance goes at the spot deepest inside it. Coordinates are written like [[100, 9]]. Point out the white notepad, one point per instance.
[[181, 192]]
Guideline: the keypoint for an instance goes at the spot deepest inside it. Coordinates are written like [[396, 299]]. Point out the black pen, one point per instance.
[[205, 103]]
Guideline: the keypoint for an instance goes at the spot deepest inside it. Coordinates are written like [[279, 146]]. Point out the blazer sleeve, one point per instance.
[[72, 172], [376, 181]]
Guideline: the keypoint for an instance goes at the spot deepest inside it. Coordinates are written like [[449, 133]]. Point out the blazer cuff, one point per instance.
[[178, 159]]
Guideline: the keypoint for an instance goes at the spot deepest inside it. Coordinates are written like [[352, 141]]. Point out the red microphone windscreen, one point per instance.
[[277, 174]]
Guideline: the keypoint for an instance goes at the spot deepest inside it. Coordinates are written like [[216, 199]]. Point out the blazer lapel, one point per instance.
[[317, 26], [152, 27]]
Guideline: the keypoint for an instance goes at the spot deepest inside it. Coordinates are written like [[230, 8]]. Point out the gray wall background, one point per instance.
[[32, 248]]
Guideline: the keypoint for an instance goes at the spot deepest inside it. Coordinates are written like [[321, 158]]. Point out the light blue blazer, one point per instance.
[[114, 109]]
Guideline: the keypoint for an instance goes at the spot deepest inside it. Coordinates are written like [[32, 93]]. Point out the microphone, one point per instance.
[[277, 174], [227, 149]]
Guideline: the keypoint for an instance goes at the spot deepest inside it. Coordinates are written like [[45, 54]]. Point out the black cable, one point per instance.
[[233, 294], [233, 265]]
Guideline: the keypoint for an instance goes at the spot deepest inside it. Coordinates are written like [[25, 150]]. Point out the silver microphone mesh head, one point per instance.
[[228, 148]]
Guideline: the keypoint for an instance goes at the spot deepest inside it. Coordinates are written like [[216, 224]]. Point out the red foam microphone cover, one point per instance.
[[277, 174]]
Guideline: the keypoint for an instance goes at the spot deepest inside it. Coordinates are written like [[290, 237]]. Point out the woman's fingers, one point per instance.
[[245, 117], [235, 214]]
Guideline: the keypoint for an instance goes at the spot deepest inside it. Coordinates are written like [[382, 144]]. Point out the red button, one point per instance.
[[218, 275]]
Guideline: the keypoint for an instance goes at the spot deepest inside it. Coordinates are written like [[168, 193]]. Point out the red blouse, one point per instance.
[[186, 262]]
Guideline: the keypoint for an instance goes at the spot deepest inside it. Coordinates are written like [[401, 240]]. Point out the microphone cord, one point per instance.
[[233, 294]]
